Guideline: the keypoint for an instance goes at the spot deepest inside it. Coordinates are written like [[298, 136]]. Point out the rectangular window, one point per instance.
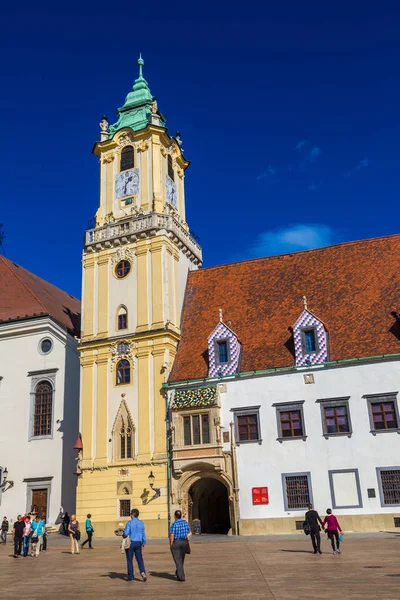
[[187, 431], [309, 340], [389, 485], [247, 427], [196, 430], [345, 488], [43, 408], [222, 352], [336, 420], [335, 414], [171, 173], [297, 491], [291, 424], [124, 508], [205, 429], [247, 424], [384, 415], [122, 321], [290, 420]]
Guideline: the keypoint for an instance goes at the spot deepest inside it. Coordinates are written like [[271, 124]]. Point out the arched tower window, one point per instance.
[[123, 440], [123, 372], [42, 416], [127, 158], [170, 168], [122, 318]]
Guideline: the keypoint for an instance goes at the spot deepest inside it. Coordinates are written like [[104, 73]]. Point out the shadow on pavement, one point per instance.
[[163, 575]]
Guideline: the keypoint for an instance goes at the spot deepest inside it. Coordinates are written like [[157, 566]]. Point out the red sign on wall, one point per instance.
[[260, 495]]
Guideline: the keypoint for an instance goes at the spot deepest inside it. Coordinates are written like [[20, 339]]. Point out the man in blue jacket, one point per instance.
[[137, 534]]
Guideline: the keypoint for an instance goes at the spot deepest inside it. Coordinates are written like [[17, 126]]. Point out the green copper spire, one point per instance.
[[137, 110]]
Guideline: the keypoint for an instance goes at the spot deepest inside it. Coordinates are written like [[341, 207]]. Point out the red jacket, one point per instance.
[[333, 523]]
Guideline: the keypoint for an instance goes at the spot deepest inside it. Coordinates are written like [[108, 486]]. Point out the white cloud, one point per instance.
[[300, 236], [269, 172]]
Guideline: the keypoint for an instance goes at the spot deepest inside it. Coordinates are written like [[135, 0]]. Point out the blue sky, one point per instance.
[[289, 113]]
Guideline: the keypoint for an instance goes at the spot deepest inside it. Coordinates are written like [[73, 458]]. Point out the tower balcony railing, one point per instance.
[[134, 228]]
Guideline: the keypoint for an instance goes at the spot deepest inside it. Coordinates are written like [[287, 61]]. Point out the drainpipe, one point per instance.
[[168, 459], [234, 478]]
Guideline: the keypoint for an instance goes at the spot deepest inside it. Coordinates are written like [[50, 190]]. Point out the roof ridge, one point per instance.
[[259, 258], [24, 284]]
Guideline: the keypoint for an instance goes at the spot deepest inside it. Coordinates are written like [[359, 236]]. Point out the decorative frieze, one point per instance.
[[195, 397]]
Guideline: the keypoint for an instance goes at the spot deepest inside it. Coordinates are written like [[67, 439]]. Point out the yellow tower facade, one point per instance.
[[135, 264]]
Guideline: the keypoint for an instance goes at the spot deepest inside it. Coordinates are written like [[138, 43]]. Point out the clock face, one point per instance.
[[127, 183], [171, 192]]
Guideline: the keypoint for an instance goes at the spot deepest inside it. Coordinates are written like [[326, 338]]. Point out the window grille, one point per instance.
[[43, 409], [390, 480], [297, 491], [124, 508]]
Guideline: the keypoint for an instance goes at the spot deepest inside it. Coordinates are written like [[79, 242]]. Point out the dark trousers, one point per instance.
[[316, 540], [89, 539], [44, 543], [178, 550], [134, 550], [17, 545], [334, 537]]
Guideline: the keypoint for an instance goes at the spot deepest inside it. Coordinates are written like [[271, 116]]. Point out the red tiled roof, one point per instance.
[[352, 287], [23, 294]]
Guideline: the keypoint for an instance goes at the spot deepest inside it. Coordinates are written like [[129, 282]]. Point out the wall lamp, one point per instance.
[[5, 483]]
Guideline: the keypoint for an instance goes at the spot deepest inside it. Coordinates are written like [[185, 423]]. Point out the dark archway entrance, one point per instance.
[[209, 502]]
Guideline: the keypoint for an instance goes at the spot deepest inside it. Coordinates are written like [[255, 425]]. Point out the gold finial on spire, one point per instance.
[[220, 314], [305, 302]]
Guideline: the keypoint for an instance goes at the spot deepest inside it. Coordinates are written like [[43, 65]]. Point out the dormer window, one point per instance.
[[171, 173], [127, 158], [222, 351], [309, 340]]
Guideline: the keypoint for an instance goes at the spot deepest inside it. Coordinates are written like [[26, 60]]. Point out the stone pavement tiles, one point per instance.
[[272, 569]]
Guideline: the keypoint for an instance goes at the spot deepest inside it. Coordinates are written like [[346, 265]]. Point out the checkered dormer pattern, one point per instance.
[[222, 332], [306, 320]]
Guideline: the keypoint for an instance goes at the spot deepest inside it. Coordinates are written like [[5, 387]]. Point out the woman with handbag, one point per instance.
[[179, 543], [37, 529], [74, 534], [27, 535], [333, 529]]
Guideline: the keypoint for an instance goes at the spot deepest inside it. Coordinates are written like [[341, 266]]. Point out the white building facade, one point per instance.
[[39, 397], [273, 406]]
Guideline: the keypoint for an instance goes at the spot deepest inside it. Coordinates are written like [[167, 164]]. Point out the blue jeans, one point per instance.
[[27, 541], [135, 549]]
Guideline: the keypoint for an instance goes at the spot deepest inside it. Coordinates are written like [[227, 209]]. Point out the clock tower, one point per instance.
[[135, 264]]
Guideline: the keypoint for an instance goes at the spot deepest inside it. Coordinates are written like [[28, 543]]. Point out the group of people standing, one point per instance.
[[28, 533], [134, 540], [74, 532], [312, 527]]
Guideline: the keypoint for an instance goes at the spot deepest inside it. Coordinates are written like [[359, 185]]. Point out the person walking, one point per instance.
[[37, 529], [89, 532], [17, 535], [313, 522], [74, 534], [4, 529], [65, 523], [179, 544], [333, 530], [27, 535], [137, 535]]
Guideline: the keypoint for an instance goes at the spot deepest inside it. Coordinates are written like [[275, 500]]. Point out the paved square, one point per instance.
[[270, 568]]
